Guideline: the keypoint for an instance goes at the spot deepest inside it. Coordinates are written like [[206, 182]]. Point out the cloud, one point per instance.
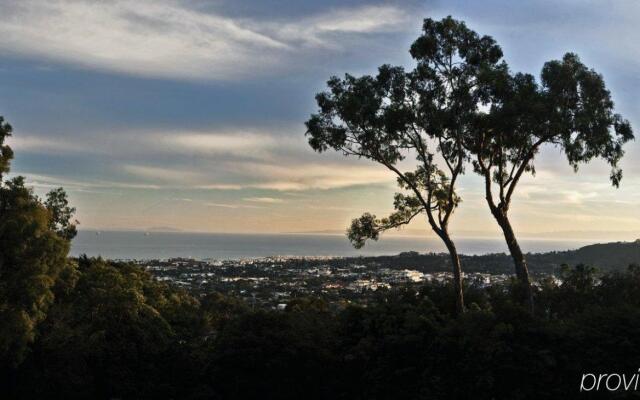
[[232, 206], [168, 39], [268, 200], [48, 182], [241, 143], [264, 176], [227, 159], [309, 176], [319, 30], [44, 145], [162, 174], [219, 186], [245, 142], [160, 38]]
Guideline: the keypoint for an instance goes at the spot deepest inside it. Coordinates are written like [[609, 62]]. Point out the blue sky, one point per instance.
[[189, 114]]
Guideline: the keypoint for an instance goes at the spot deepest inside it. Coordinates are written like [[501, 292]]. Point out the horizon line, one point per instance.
[[410, 234]]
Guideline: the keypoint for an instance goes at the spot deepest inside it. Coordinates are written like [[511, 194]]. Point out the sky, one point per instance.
[[190, 114]]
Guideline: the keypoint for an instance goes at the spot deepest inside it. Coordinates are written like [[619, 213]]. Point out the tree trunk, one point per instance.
[[522, 271], [457, 272]]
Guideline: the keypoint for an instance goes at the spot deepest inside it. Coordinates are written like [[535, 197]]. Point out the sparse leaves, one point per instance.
[[570, 109]]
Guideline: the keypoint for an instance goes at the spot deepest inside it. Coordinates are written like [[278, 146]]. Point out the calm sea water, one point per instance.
[[138, 245]]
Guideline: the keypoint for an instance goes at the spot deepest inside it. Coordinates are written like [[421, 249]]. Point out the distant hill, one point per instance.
[[606, 257], [592, 236]]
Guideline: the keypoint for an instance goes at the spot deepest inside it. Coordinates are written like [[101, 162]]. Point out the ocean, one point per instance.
[[220, 246]]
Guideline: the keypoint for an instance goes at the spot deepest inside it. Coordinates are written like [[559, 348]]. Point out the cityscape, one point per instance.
[[273, 281]]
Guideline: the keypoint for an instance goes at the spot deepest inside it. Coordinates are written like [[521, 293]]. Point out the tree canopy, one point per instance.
[[428, 112], [6, 154], [34, 244], [570, 109]]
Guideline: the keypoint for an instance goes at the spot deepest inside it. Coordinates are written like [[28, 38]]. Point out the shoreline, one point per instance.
[[318, 258]]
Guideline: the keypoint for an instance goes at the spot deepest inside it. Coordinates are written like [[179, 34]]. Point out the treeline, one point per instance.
[[115, 332]]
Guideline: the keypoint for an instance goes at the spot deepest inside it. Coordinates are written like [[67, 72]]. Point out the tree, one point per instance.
[[33, 258], [61, 214], [6, 154], [571, 109], [126, 330], [426, 113]]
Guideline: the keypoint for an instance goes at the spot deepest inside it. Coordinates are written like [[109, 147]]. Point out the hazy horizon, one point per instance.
[[189, 115], [624, 236], [138, 245]]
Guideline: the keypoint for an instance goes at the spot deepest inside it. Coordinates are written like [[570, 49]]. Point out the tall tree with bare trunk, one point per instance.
[[426, 113], [570, 109]]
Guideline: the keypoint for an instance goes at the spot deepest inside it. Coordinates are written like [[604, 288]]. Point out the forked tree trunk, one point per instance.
[[520, 263], [457, 272]]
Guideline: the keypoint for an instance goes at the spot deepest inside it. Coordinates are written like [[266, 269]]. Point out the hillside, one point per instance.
[[616, 256], [605, 256]]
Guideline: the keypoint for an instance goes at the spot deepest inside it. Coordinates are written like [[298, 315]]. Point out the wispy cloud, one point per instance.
[[165, 38], [47, 182], [265, 176], [162, 174], [317, 176], [245, 142], [267, 200], [45, 145], [231, 159], [320, 30], [229, 205], [157, 38]]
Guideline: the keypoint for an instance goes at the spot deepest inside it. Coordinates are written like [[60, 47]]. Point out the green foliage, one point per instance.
[[33, 263], [364, 228], [117, 333], [281, 355], [108, 335], [433, 109], [61, 214], [34, 242], [407, 207], [570, 109], [6, 154], [581, 114], [218, 309], [430, 109]]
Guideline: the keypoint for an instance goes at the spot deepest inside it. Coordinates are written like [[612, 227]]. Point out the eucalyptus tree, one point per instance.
[[570, 109], [426, 113]]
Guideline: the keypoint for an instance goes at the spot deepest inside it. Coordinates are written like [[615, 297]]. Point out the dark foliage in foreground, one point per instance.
[[117, 333]]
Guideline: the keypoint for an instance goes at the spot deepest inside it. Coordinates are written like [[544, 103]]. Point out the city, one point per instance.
[[273, 281]]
